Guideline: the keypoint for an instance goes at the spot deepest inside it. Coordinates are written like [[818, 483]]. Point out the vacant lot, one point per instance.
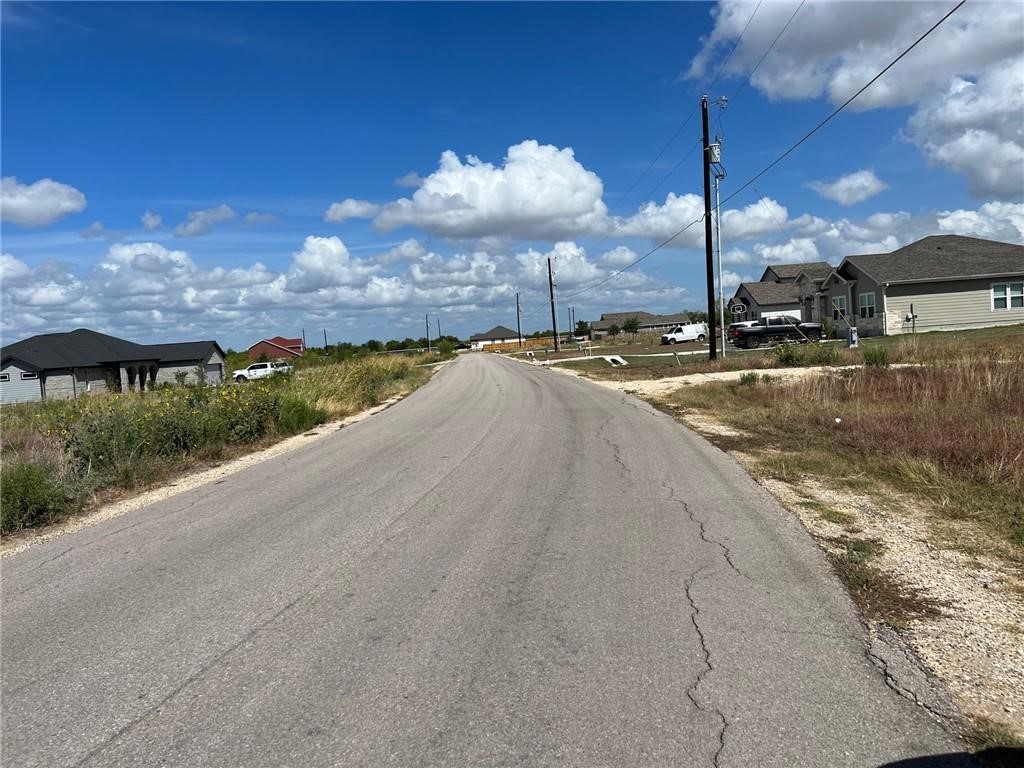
[[61, 456], [912, 479], [923, 348]]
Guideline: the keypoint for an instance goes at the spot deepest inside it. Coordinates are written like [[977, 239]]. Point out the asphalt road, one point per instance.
[[509, 567]]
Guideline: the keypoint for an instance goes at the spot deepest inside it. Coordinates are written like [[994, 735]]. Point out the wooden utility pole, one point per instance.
[[554, 318], [519, 321], [426, 320], [708, 241]]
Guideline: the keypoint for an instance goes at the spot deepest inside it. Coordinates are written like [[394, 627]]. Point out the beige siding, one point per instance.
[[947, 306]]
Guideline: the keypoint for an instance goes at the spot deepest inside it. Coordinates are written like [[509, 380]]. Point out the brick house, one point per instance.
[[277, 348]]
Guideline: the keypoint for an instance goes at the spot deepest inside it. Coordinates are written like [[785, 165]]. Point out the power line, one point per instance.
[[844, 105], [769, 50], [782, 229], [781, 157], [735, 45]]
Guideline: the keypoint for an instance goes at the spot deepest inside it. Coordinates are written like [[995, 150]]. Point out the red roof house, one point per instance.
[[277, 348]]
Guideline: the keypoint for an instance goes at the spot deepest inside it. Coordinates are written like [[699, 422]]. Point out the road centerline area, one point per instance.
[[509, 567]]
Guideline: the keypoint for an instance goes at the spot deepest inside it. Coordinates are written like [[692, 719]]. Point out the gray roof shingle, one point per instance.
[[770, 293], [942, 257], [608, 319], [497, 332], [813, 269], [83, 348]]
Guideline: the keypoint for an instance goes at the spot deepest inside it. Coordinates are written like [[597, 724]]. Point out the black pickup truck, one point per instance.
[[771, 330]]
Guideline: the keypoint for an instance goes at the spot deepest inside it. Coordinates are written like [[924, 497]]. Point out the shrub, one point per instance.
[[29, 495], [788, 355], [820, 354], [445, 348], [297, 415], [876, 357], [748, 378]]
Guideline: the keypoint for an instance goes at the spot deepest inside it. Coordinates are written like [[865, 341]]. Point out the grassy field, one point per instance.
[[922, 348], [950, 431], [61, 456]]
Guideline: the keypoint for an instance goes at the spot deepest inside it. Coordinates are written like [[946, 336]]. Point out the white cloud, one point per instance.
[[151, 221], [411, 180], [202, 222], [148, 257], [852, 188], [995, 221], [408, 250], [964, 80], [977, 129], [660, 222], [324, 262], [541, 192], [34, 205], [350, 209], [12, 268], [617, 258]]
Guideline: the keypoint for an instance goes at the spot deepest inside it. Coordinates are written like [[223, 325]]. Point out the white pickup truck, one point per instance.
[[260, 370], [687, 332]]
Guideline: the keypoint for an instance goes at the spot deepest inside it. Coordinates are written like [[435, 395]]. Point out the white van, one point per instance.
[[687, 332]]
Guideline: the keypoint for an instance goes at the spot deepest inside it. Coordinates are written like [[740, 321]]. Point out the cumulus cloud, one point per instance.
[[94, 231], [411, 180], [12, 268], [850, 189], [660, 222], [617, 258], [350, 208], [540, 192], [977, 129], [151, 221], [203, 222], [406, 251], [995, 221], [38, 204], [964, 81], [324, 262]]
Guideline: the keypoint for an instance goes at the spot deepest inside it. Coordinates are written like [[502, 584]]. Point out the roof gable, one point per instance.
[[497, 332], [770, 293], [789, 272], [941, 257], [83, 348]]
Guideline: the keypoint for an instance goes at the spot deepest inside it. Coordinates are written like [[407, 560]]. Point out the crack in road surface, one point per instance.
[[487, 573]]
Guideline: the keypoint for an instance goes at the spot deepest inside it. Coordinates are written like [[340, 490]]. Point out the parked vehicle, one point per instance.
[[732, 332], [773, 330], [687, 332], [260, 370]]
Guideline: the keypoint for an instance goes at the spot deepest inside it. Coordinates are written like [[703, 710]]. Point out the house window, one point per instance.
[[867, 305], [838, 308], [27, 376], [5, 377], [1007, 296]]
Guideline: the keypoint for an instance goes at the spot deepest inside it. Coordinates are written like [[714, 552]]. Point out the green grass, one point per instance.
[[61, 455]]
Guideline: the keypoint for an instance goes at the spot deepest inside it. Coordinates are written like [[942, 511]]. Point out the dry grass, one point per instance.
[[952, 433]]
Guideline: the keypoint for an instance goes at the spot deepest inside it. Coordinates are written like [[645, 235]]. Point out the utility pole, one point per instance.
[[325, 340], [519, 321], [554, 319], [439, 328], [708, 241], [568, 318], [426, 319], [303, 338], [719, 171]]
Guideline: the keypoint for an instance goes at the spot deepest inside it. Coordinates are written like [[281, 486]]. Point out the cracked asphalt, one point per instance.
[[508, 568]]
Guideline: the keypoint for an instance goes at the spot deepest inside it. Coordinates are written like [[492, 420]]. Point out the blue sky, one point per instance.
[[234, 171]]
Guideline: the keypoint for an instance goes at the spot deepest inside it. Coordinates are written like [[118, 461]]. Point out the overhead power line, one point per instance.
[[768, 50], [845, 104], [735, 45], [781, 157]]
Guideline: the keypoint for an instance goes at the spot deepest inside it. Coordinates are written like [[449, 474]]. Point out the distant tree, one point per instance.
[[373, 345], [697, 315], [613, 330], [631, 326], [582, 328], [392, 345]]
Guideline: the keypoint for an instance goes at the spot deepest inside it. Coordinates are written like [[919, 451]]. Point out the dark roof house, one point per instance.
[[67, 364], [941, 282], [497, 334], [647, 321]]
